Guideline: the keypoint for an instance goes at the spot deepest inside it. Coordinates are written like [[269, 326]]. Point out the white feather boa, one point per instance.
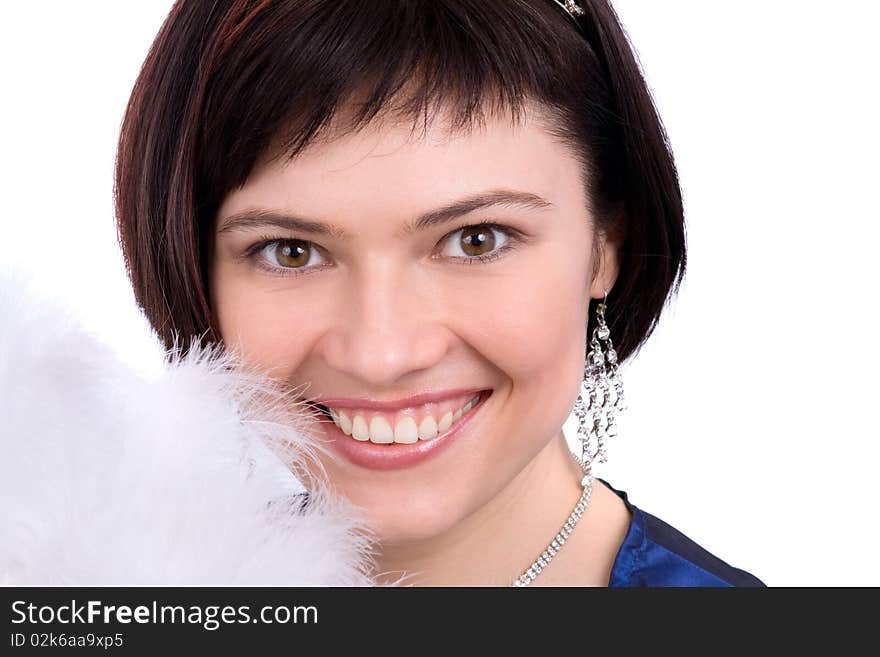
[[111, 477]]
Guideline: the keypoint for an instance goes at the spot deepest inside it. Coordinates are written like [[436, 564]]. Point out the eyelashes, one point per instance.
[[285, 256]]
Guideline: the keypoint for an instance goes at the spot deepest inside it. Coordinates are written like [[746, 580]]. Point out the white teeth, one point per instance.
[[344, 422], [359, 429], [428, 428], [406, 431], [380, 430], [445, 422]]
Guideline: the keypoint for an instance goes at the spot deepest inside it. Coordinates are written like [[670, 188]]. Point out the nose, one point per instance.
[[387, 325]]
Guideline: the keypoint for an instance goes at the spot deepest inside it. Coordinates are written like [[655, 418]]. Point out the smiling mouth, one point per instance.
[[404, 426]]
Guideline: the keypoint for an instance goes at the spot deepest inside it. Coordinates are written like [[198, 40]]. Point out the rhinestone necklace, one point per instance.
[[556, 545]]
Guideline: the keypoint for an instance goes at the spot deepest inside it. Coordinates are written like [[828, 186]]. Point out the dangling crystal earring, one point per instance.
[[597, 418], [597, 422]]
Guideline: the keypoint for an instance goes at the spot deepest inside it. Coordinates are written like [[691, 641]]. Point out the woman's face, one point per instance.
[[441, 263]]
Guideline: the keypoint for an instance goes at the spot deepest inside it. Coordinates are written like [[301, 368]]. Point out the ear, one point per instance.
[[606, 266]]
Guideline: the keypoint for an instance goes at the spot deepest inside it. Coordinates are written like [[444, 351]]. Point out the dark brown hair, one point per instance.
[[228, 81]]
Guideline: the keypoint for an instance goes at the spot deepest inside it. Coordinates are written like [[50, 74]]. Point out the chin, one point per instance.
[[419, 519]]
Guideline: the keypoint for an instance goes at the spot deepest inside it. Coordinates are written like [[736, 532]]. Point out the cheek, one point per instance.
[[532, 328], [266, 324], [532, 321]]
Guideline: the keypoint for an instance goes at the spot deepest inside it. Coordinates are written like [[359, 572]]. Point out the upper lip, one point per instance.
[[394, 404]]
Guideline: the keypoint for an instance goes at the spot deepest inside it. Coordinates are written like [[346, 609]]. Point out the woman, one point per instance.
[[427, 217]]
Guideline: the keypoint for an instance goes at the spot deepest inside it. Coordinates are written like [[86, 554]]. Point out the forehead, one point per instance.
[[388, 166]]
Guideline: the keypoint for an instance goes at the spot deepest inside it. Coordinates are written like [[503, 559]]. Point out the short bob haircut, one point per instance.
[[228, 81]]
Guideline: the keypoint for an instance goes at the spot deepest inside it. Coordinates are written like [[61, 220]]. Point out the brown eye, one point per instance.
[[476, 241], [291, 254]]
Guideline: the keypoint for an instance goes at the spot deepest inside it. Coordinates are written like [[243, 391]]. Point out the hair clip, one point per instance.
[[574, 10]]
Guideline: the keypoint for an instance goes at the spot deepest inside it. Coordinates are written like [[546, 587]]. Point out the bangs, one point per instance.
[[282, 72]]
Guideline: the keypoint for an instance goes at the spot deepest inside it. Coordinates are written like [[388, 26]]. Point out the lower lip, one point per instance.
[[394, 456]]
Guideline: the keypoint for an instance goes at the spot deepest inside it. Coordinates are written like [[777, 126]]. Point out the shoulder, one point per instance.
[[654, 553]]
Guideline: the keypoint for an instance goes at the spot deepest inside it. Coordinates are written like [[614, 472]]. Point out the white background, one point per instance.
[[752, 422]]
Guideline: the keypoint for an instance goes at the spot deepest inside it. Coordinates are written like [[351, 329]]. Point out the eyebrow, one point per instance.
[[492, 198]]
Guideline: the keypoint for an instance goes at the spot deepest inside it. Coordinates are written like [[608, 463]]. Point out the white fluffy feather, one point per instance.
[[110, 477]]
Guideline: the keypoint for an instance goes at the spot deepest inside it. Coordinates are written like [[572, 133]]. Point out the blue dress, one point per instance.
[[655, 554]]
